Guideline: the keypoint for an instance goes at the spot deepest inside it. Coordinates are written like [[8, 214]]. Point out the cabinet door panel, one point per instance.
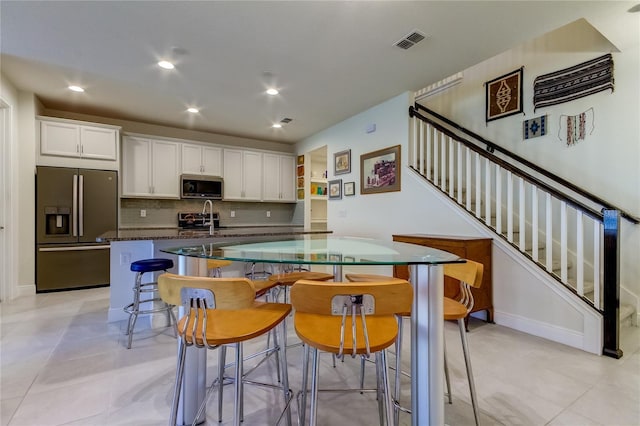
[[166, 169], [191, 159], [232, 174], [211, 161], [136, 172], [252, 182], [61, 139], [287, 179], [271, 180], [98, 143]]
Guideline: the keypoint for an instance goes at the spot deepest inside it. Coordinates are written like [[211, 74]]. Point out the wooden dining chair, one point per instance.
[[353, 319], [222, 311]]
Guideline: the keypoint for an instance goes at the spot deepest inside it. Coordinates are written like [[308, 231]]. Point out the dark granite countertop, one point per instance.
[[131, 234]]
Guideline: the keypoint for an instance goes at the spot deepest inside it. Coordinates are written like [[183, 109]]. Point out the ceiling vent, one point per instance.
[[410, 39], [286, 120]]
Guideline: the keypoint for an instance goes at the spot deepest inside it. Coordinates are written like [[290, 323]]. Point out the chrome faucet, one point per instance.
[[211, 222]]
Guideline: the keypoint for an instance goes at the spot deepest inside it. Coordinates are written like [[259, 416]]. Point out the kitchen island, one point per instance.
[[132, 244]]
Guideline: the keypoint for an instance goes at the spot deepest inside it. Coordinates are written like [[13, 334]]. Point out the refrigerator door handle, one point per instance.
[[81, 206], [74, 209]]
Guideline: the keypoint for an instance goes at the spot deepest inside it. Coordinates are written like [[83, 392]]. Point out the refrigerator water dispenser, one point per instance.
[[57, 220]]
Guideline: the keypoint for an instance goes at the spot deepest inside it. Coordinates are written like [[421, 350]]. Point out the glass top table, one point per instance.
[[427, 277]]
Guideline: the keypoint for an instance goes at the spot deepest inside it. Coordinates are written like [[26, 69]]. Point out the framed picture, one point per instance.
[[380, 171], [300, 182], [342, 162], [300, 159], [349, 188], [335, 189], [504, 95]]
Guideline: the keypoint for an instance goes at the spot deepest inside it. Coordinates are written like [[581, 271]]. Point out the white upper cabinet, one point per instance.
[[242, 175], [150, 168], [69, 139], [279, 178], [201, 160]]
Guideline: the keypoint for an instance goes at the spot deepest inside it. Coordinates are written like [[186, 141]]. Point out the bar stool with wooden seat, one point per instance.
[[222, 311], [348, 319], [214, 267], [287, 279], [470, 275], [141, 267]]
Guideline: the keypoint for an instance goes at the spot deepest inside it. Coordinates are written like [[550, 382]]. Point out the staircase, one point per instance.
[[570, 234]]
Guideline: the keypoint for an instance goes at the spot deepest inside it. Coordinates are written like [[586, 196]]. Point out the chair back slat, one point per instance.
[[230, 293], [391, 296], [469, 272]]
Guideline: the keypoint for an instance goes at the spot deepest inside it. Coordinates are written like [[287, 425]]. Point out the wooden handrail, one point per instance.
[[491, 147]]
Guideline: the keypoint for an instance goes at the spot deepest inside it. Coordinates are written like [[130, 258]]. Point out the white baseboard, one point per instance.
[[26, 290], [547, 331]]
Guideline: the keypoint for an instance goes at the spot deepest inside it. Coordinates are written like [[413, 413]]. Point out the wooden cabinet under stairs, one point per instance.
[[473, 248]]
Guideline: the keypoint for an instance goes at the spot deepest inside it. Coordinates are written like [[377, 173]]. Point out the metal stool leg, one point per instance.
[[467, 361], [313, 414], [446, 372]]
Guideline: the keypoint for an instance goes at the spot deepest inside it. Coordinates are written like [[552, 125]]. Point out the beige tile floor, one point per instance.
[[62, 364]]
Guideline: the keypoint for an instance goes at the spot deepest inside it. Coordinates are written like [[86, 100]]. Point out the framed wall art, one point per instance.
[[380, 171], [335, 189], [504, 95], [342, 162], [349, 188]]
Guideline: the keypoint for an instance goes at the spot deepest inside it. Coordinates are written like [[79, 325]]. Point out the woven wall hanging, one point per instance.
[[575, 82], [574, 127]]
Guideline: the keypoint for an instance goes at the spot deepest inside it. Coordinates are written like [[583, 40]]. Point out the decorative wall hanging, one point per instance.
[[349, 188], [342, 162], [300, 175], [380, 171], [504, 95], [575, 82], [534, 127], [335, 189], [574, 127]]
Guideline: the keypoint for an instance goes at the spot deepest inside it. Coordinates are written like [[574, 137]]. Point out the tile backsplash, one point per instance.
[[164, 213]]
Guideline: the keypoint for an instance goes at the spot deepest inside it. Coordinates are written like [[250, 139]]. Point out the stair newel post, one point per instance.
[[611, 284]]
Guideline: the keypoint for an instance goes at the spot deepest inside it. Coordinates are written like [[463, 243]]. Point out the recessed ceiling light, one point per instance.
[[276, 125], [193, 110], [272, 92], [76, 89], [166, 65]]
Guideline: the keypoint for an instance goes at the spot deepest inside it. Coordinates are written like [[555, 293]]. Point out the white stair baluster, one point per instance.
[[579, 254], [487, 191], [597, 230], [534, 223], [549, 235], [521, 213], [563, 242]]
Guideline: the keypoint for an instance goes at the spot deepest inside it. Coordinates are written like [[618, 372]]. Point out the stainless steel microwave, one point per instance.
[[199, 186]]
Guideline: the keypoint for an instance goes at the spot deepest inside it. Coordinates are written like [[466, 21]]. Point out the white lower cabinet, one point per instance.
[[279, 178], [242, 175], [150, 168]]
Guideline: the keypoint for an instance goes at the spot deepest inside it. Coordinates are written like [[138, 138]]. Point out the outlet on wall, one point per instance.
[[233, 213], [268, 213], [143, 213]]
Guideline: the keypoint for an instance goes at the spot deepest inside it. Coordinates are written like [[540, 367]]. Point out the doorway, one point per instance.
[[315, 212], [6, 254]]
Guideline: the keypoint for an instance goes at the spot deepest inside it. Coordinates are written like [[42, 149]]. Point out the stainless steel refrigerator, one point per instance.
[[73, 207]]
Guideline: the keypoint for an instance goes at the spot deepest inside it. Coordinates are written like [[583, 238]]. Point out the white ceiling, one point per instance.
[[329, 59]]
